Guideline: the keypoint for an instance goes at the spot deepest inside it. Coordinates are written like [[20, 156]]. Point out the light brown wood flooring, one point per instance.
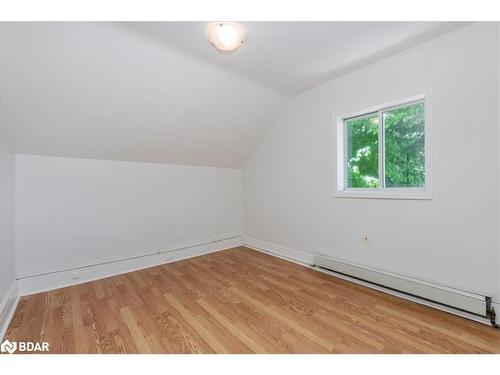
[[239, 301]]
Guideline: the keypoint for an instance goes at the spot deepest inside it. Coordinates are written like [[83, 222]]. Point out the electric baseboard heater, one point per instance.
[[467, 301]]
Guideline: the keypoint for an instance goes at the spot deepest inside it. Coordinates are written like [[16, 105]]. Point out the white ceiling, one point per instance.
[[159, 92], [294, 56]]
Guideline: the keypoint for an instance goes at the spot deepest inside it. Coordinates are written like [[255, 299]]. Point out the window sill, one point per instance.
[[395, 193]]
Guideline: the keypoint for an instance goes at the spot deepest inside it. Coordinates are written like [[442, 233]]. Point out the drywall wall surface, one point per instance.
[[8, 291], [77, 212], [290, 179], [7, 240]]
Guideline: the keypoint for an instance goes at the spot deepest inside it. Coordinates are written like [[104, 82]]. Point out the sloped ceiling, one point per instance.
[[291, 57], [158, 92], [98, 91]]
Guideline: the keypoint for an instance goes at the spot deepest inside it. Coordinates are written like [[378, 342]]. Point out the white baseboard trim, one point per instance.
[[60, 279], [278, 251], [7, 308]]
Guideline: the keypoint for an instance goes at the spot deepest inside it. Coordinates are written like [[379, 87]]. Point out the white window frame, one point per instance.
[[383, 192]]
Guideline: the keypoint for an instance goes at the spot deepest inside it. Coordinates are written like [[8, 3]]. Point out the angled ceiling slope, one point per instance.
[[94, 90], [158, 92], [291, 57]]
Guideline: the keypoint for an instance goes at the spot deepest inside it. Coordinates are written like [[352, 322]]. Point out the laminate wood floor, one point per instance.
[[239, 301]]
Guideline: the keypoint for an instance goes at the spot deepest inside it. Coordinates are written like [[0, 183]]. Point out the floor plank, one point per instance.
[[239, 301]]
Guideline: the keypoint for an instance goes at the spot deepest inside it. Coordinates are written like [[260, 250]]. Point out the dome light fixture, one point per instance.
[[226, 37]]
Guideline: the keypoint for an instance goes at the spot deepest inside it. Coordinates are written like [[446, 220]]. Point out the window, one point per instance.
[[382, 152]]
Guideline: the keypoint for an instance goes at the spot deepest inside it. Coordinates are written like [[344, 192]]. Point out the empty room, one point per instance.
[[249, 187]]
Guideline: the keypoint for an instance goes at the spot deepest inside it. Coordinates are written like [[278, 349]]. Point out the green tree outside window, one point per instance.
[[404, 148]]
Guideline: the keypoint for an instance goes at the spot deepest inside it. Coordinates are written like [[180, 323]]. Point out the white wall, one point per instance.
[[7, 268], [75, 212], [6, 213], [498, 119], [454, 238]]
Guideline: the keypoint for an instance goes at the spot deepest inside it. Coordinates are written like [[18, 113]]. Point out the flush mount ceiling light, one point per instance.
[[225, 36]]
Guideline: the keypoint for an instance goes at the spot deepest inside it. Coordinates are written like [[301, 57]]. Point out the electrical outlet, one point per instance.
[[365, 239]]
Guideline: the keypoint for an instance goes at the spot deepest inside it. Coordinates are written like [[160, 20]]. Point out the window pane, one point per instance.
[[362, 152], [404, 146]]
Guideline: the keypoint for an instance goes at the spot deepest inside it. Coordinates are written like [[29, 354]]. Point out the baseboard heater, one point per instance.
[[463, 300]]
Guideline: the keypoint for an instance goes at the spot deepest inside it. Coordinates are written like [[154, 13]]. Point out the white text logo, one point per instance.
[[24, 346]]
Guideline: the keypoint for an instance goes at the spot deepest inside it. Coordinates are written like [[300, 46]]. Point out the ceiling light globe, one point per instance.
[[225, 36]]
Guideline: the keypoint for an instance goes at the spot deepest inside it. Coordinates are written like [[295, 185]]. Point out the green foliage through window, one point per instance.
[[362, 152], [404, 146]]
